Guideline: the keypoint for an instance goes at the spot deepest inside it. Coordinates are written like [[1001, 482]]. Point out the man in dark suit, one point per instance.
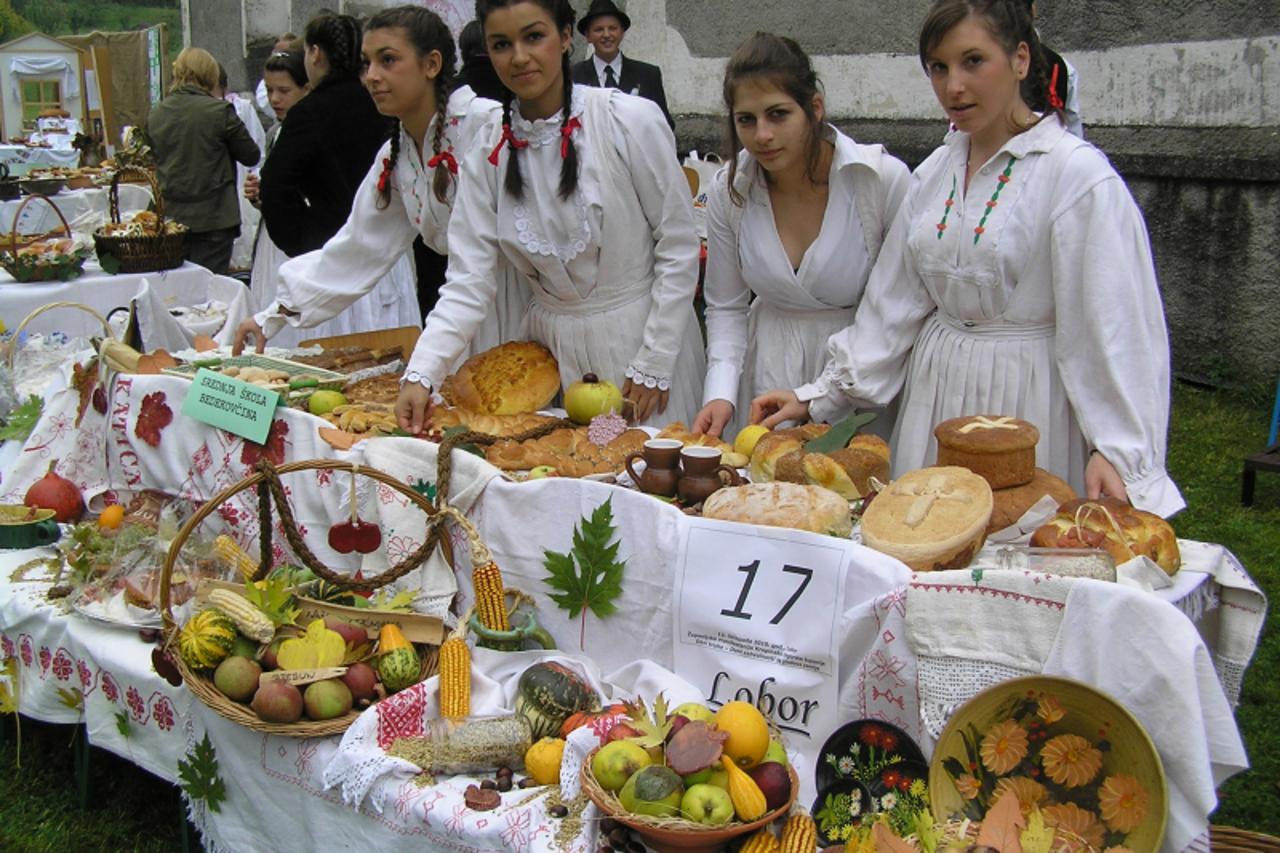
[[604, 26]]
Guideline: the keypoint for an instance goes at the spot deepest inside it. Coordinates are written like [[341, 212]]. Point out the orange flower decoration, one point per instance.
[[1004, 746], [968, 786], [1122, 801], [1070, 760], [1049, 709], [1073, 819], [1028, 791]]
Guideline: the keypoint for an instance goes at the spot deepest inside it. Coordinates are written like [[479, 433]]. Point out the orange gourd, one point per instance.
[[390, 638]]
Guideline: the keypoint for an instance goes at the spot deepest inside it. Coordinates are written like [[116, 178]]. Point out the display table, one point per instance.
[[23, 158], [84, 210]]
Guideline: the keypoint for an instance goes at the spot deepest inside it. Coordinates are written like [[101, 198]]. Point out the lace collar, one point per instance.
[[544, 131]]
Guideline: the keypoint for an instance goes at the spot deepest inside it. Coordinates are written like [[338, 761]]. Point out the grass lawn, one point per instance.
[[1212, 432]]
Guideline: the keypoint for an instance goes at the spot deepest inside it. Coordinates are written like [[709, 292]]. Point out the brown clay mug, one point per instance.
[[661, 467], [702, 470]]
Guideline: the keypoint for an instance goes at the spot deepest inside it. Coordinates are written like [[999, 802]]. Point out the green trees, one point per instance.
[[12, 24]]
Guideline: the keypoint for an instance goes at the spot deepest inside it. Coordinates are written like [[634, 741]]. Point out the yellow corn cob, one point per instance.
[[226, 549], [250, 621], [799, 835], [748, 800], [455, 677], [762, 842], [491, 607]]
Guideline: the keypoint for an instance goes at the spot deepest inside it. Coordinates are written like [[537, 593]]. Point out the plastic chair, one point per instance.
[[1267, 460]]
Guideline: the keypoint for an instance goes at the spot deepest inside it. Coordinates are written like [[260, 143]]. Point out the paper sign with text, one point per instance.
[[238, 407], [757, 614]]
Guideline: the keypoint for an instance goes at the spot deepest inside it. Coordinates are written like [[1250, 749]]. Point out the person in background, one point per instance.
[[1017, 280], [1063, 92], [794, 225], [477, 71], [261, 98], [242, 248], [196, 140], [605, 26]]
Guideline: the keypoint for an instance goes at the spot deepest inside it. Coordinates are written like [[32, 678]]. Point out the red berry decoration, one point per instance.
[[363, 537]]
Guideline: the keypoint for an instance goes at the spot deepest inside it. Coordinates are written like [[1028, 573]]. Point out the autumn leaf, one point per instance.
[[9, 687], [1036, 838], [1001, 825], [154, 416], [887, 842], [654, 727], [319, 648], [71, 698], [273, 450]]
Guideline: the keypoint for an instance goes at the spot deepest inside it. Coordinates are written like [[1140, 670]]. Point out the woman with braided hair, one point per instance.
[[409, 70], [578, 189], [1016, 280]]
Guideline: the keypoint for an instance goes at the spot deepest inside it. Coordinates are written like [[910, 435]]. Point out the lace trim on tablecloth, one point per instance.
[[946, 683], [1231, 676], [639, 378]]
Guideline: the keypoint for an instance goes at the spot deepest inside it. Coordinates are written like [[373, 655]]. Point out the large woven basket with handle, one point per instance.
[[132, 253]]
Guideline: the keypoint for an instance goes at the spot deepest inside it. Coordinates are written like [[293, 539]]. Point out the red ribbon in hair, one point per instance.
[[447, 158], [566, 130], [508, 138], [385, 178], [1054, 101]]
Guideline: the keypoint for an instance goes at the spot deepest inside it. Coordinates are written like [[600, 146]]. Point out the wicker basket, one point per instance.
[[266, 480], [1228, 839], [29, 268], [140, 253]]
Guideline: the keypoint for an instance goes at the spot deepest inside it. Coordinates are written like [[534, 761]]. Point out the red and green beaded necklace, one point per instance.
[[980, 228]]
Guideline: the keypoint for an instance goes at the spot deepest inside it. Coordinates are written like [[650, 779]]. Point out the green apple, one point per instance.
[[775, 752], [693, 711], [616, 762], [539, 471], [707, 804], [323, 401], [714, 775], [655, 791], [590, 397]]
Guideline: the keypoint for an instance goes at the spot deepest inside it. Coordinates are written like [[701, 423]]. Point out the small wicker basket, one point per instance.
[[133, 253], [31, 268]]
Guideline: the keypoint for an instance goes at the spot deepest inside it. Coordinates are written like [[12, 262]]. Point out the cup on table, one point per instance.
[[661, 467], [702, 471]]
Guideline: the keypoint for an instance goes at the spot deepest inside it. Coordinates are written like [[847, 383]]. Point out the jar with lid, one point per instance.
[[478, 744]]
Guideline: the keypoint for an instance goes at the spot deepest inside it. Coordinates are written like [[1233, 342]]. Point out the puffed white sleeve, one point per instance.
[[647, 146], [727, 294], [471, 281], [317, 286], [867, 361], [1111, 346]]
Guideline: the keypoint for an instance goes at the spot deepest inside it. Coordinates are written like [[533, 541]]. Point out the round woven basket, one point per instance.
[[1228, 839], [140, 253], [202, 685], [24, 269]]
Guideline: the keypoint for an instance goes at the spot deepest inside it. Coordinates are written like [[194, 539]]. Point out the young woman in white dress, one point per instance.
[[409, 61], [796, 220], [1017, 280], [579, 188]]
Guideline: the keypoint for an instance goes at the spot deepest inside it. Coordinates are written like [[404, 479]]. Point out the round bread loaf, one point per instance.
[[930, 519], [516, 377], [997, 447], [1115, 527], [1011, 503], [811, 508]]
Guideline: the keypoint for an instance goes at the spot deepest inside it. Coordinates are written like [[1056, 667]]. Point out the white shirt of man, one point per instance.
[[616, 65]]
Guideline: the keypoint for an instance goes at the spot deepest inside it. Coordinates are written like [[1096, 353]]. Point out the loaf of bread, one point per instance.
[[569, 451], [1010, 504], [676, 430], [518, 376], [848, 471], [445, 417], [809, 508], [999, 448], [930, 519], [1115, 527], [777, 444]]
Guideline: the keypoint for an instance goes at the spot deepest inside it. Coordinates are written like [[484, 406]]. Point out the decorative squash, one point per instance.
[[579, 719], [398, 664], [206, 639], [548, 693]]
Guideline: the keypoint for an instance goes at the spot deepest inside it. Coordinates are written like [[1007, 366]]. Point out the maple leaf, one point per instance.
[[274, 598], [71, 698], [155, 416], [654, 727], [122, 725], [590, 575], [401, 602], [1001, 824], [1036, 838], [272, 450], [199, 775], [23, 419]]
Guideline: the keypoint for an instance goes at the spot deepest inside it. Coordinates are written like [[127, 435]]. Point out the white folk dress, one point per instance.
[[612, 270], [354, 282], [1033, 294], [778, 340]]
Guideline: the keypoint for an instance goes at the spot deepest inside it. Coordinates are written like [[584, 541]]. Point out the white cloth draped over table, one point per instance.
[[613, 269], [1032, 294], [357, 281], [779, 339]]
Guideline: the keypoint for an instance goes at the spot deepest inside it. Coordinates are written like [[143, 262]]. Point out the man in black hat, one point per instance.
[[605, 25]]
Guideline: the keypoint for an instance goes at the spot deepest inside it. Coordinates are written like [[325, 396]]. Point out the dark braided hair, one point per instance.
[[782, 63], [426, 32], [339, 37], [290, 62], [561, 12], [1009, 22]]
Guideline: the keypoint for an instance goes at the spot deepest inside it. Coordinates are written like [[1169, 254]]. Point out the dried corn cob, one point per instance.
[[455, 674], [762, 842], [799, 835], [250, 621], [226, 549]]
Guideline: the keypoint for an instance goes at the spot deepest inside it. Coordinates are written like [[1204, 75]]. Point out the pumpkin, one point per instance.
[[579, 719], [398, 665], [206, 639], [548, 693]]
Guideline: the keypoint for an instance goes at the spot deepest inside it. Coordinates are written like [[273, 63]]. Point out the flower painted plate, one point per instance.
[[1073, 752], [838, 809], [861, 749]]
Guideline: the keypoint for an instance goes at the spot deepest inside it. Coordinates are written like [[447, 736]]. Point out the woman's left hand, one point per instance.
[[644, 401], [1102, 478]]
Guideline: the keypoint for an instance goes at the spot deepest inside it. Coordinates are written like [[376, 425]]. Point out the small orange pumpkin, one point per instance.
[[582, 718], [390, 639]]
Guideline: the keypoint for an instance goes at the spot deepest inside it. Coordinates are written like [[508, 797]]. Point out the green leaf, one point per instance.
[[199, 776], [840, 434], [590, 575], [22, 420], [71, 698], [122, 725], [274, 597], [110, 263], [9, 687], [401, 602]]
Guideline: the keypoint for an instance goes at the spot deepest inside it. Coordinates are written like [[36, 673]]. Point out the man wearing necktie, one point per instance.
[[605, 25]]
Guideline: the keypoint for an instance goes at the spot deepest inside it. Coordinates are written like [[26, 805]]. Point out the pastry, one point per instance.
[[443, 417], [1011, 503], [930, 519], [811, 508], [570, 451], [728, 456], [777, 444], [1001, 449], [518, 376], [384, 388], [1113, 526], [848, 471]]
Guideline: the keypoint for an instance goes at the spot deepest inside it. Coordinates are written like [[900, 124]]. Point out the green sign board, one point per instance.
[[231, 404]]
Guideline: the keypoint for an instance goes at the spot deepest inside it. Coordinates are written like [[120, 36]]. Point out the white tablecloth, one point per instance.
[[84, 210], [21, 158]]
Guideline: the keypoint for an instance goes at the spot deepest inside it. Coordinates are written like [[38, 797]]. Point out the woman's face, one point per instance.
[[282, 91], [400, 81], [975, 80], [772, 126], [526, 51]]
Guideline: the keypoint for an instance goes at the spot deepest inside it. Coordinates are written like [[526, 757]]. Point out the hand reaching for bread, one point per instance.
[[1101, 479], [644, 401], [413, 407], [774, 407], [713, 418]]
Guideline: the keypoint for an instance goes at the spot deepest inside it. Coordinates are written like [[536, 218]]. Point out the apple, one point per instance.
[[538, 472], [693, 711], [707, 804], [774, 782], [655, 791], [621, 731], [714, 775], [590, 397], [617, 762], [775, 752], [353, 635]]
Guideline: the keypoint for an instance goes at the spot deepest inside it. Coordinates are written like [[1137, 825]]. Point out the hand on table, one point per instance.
[[644, 401], [246, 330], [413, 407], [713, 418], [773, 407], [1102, 478]]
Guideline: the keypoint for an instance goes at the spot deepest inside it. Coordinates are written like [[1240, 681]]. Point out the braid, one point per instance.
[[339, 37], [389, 167], [440, 181], [569, 165], [513, 180]]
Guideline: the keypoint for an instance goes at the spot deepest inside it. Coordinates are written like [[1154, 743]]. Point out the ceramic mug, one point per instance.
[[701, 477], [31, 528], [661, 467]]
